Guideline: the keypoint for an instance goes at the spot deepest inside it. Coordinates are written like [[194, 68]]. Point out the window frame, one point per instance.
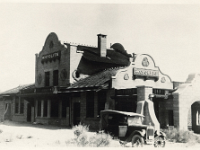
[[55, 77], [19, 106], [47, 78]]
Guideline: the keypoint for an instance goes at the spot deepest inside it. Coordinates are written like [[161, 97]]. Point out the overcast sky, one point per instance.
[[170, 33]]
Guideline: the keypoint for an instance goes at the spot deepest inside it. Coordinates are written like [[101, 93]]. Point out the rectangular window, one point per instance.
[[171, 117], [45, 105], [55, 77], [54, 107], [47, 78], [90, 104], [39, 108], [101, 101], [16, 105], [21, 106]]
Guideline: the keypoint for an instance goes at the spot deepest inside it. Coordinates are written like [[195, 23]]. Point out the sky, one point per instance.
[[169, 32]]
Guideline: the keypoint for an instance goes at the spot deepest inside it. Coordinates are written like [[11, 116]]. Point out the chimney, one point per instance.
[[102, 45]]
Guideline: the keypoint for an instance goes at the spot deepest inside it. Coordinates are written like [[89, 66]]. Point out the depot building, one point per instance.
[[74, 82]]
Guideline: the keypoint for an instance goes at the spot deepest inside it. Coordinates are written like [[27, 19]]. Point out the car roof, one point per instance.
[[121, 112]]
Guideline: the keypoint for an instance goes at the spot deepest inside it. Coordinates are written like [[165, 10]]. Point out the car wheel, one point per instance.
[[137, 141], [159, 142]]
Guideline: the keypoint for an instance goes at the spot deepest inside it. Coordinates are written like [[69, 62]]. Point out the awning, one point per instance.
[[95, 82]]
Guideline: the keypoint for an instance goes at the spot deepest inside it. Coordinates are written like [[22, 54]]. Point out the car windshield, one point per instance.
[[134, 120], [116, 119]]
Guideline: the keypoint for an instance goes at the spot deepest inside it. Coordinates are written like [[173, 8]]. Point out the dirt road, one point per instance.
[[25, 135]]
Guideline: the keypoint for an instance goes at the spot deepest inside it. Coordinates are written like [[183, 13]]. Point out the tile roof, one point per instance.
[[17, 89], [96, 80]]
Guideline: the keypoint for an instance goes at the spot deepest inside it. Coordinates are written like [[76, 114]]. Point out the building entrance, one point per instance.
[[196, 117], [7, 114], [76, 119], [28, 112]]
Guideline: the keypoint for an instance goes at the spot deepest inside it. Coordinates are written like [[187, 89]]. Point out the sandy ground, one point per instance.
[[24, 135]]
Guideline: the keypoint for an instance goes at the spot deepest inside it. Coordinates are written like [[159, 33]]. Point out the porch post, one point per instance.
[[145, 106], [42, 107], [60, 109], [36, 107], [49, 109]]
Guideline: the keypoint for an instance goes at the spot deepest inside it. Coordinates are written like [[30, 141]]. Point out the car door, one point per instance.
[[113, 124]]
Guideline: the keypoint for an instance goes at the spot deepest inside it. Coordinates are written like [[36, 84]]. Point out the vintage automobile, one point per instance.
[[128, 127]]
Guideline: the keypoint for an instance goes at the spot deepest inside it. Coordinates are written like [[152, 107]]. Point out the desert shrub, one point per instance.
[[7, 137], [82, 138], [184, 136], [19, 136], [80, 129], [57, 142], [198, 138], [100, 140], [181, 136], [171, 134], [29, 137]]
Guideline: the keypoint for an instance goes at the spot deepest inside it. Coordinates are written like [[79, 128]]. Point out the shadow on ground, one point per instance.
[[34, 125]]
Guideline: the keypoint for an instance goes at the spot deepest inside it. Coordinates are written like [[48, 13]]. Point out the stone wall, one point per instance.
[[10, 113], [166, 105], [184, 97]]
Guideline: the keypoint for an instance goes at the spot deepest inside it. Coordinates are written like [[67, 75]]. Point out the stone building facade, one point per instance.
[[186, 104], [73, 83], [13, 107]]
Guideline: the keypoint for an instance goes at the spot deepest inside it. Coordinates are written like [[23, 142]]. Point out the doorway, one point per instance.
[[7, 115], [28, 112], [196, 117], [76, 118]]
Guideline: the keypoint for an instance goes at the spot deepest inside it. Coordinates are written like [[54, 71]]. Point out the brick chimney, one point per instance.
[[102, 45]]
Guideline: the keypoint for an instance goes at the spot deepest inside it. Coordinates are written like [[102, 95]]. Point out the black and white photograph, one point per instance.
[[108, 74]]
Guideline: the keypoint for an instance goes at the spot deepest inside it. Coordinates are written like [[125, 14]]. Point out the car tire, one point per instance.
[[159, 141], [137, 141]]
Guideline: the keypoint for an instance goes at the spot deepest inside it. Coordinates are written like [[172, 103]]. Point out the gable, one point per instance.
[[142, 71]]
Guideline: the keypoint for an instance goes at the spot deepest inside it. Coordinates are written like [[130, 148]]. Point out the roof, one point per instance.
[[96, 80], [17, 89], [122, 112], [114, 56]]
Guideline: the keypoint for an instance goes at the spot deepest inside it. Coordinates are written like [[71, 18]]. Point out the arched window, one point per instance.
[[197, 118], [51, 44]]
